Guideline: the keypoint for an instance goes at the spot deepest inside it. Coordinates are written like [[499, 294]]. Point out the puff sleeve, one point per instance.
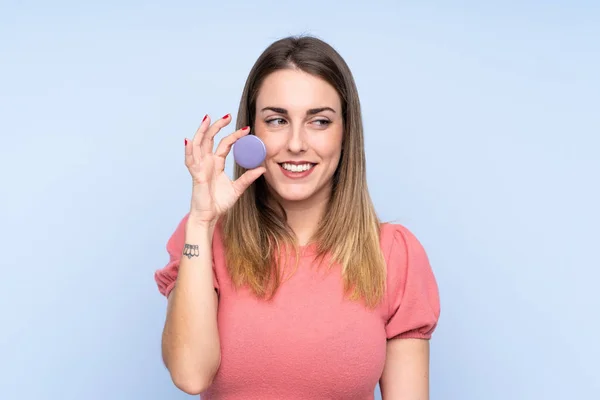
[[413, 296], [166, 277]]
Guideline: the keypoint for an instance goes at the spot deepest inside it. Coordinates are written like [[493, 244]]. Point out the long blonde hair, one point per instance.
[[254, 232]]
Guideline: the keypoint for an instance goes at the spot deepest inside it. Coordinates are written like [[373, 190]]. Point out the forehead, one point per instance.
[[294, 89]]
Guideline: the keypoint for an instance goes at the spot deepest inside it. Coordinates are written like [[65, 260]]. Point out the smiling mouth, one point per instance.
[[297, 167]]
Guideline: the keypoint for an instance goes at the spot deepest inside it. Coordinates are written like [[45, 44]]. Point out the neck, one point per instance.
[[303, 217]]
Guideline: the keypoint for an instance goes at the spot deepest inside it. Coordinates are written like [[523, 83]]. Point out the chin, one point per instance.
[[294, 194], [294, 191]]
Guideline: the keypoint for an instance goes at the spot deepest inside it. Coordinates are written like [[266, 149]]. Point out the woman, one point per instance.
[[283, 284]]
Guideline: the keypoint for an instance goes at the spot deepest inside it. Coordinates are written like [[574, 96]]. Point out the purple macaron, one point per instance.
[[249, 152]]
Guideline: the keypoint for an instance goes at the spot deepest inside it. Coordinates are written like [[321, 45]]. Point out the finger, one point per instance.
[[243, 182], [189, 158], [200, 132], [207, 143], [225, 144]]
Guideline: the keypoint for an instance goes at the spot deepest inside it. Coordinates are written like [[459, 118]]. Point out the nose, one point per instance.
[[297, 140]]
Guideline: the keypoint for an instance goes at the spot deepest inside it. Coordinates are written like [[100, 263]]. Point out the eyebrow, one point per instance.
[[312, 111]]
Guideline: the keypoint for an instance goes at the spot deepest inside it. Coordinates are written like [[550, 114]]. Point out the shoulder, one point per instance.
[[413, 302], [398, 244]]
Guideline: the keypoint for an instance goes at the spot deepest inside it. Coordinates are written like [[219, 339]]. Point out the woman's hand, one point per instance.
[[213, 192]]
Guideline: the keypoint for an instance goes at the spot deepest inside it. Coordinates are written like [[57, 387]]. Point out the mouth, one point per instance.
[[297, 169]]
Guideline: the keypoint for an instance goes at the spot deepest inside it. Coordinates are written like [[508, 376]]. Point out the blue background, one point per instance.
[[482, 131]]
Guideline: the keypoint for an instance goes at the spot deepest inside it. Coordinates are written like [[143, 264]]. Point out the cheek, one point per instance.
[[331, 147], [273, 143]]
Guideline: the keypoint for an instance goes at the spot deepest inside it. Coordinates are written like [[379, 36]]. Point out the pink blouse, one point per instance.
[[309, 342]]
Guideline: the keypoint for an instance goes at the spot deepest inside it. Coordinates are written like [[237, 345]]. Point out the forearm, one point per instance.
[[191, 348]]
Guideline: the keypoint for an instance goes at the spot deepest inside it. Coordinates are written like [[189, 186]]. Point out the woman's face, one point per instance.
[[299, 118]]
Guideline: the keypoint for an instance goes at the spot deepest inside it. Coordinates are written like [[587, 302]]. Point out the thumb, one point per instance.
[[243, 182]]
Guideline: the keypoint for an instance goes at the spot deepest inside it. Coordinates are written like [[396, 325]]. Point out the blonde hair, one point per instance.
[[255, 232]]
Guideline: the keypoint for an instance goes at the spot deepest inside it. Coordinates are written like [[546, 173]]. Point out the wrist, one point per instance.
[[199, 226]]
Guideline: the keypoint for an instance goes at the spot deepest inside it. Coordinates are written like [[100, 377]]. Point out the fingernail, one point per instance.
[[186, 142], [245, 128], [204, 119], [226, 116]]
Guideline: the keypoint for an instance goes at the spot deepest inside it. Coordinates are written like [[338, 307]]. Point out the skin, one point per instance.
[[406, 371], [298, 117]]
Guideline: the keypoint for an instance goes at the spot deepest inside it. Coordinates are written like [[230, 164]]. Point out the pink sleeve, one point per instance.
[[413, 297], [167, 276]]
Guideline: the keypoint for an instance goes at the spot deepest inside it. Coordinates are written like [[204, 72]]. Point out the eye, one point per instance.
[[322, 122], [276, 121]]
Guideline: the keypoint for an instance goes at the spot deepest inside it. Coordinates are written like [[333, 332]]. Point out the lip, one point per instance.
[[297, 175], [297, 162]]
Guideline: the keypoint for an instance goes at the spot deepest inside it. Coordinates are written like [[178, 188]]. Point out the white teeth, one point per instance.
[[296, 168]]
